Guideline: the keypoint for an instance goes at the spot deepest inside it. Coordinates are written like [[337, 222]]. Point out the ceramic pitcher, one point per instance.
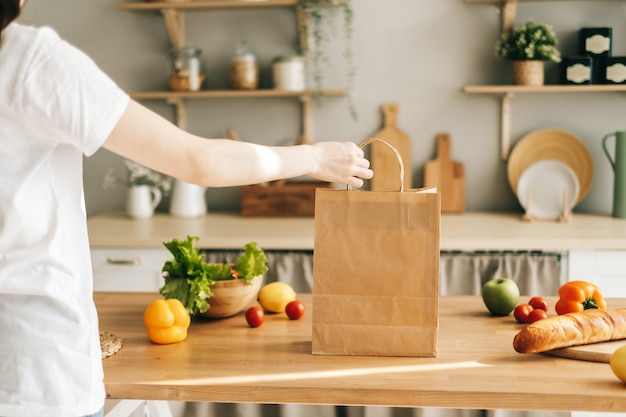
[[618, 163], [188, 200], [142, 200]]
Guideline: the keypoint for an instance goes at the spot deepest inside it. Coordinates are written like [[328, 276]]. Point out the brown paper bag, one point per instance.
[[376, 271]]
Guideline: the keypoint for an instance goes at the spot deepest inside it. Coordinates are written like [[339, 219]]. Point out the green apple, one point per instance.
[[500, 295]]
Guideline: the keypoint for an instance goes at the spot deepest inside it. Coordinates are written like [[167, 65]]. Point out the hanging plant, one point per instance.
[[318, 26]]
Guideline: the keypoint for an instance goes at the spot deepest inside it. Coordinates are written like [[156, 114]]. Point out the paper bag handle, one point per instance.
[[369, 141]]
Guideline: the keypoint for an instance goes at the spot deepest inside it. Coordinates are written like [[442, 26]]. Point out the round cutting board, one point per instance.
[[595, 352], [556, 145]]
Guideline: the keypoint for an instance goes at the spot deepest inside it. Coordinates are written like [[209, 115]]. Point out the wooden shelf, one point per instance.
[[177, 99], [208, 94], [509, 11], [509, 8], [506, 89], [191, 5], [173, 15], [216, 4], [508, 92], [522, 1]]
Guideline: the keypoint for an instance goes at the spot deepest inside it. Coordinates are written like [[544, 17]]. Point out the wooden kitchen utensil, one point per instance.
[[447, 175], [383, 162], [594, 352], [552, 144]]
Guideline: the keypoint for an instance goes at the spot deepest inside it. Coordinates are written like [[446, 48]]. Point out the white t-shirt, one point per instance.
[[55, 107]]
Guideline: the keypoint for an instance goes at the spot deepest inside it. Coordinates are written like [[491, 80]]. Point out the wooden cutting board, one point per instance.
[[595, 352], [447, 175], [383, 161]]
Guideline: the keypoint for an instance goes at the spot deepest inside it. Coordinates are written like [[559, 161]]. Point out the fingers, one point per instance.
[[362, 162], [359, 152], [360, 167], [365, 173], [342, 162], [355, 182], [362, 170]]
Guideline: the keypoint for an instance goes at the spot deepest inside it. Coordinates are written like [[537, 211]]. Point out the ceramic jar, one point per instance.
[[289, 73], [141, 200], [188, 200], [617, 159], [186, 69]]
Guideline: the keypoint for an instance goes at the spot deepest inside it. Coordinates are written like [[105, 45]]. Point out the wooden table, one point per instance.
[[226, 361]]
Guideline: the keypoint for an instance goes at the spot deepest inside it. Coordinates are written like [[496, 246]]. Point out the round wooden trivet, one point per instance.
[[110, 344]]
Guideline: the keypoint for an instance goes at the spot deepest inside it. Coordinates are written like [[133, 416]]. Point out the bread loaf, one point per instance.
[[572, 329]]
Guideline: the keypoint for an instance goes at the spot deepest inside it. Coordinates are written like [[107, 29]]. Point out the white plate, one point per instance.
[[546, 180]]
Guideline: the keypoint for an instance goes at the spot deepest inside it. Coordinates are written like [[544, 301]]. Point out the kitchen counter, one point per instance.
[[226, 361], [467, 231]]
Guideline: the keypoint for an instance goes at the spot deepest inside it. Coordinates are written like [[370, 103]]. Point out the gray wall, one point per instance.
[[417, 53]]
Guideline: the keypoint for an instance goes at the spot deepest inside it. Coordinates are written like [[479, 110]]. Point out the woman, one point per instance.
[[56, 106]]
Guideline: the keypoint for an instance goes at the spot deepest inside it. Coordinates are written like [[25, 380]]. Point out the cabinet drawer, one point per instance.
[[611, 271], [132, 270], [605, 268], [611, 262]]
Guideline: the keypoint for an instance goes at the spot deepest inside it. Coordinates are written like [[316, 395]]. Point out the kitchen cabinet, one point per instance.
[[605, 268], [596, 244], [507, 92], [128, 269], [173, 15]]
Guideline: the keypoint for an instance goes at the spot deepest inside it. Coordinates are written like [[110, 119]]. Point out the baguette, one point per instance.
[[572, 329]]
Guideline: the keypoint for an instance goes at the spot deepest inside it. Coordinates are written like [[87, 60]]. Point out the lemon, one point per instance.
[[618, 363], [275, 296]]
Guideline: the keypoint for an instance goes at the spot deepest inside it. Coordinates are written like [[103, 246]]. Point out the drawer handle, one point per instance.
[[127, 261]]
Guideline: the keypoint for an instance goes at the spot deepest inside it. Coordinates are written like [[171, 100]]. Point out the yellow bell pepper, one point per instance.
[[166, 321]]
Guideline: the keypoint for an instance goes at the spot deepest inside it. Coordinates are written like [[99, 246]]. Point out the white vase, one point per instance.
[[141, 200], [188, 200]]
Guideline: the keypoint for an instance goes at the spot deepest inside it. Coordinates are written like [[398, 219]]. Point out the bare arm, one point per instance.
[[145, 137]]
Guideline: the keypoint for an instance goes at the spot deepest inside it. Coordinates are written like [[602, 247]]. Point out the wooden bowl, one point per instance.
[[232, 297]]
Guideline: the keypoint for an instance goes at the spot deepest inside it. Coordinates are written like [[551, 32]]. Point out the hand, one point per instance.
[[342, 162]]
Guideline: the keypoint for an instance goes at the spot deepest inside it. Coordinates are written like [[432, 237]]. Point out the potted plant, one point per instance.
[[318, 27], [145, 188], [528, 46]]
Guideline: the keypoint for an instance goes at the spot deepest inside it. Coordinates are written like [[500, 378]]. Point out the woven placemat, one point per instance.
[[110, 344]]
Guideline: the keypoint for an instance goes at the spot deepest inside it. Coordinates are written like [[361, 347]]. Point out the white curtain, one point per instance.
[[461, 273]]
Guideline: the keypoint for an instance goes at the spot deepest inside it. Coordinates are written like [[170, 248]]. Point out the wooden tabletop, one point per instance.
[[467, 231], [226, 361]]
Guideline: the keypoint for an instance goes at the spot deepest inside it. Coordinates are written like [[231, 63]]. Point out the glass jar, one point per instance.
[[289, 73], [186, 69], [244, 70]]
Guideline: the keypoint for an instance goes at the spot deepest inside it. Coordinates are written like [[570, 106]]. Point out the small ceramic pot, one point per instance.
[[141, 200]]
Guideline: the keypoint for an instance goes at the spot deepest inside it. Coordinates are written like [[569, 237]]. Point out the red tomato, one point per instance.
[[521, 312], [255, 316], [537, 314], [294, 310], [539, 302]]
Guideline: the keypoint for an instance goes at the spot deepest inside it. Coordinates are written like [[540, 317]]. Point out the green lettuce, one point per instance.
[[188, 277]]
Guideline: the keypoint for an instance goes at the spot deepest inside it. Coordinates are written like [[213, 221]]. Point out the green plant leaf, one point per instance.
[[529, 41], [188, 277]]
